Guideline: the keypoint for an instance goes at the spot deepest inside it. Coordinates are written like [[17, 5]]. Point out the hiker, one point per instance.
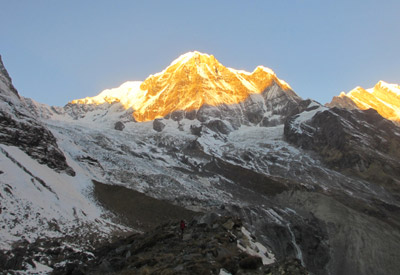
[[182, 226]]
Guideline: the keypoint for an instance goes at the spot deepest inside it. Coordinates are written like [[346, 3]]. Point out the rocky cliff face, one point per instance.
[[40, 193], [18, 127], [360, 142], [6, 80]]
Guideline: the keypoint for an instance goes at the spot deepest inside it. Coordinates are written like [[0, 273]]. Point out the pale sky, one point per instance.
[[57, 51]]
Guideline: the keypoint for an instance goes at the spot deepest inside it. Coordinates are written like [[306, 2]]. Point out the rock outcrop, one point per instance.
[[360, 142], [210, 244], [19, 127], [6, 79], [158, 125], [119, 126]]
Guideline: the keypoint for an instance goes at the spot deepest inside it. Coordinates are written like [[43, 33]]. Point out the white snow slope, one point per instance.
[[38, 202]]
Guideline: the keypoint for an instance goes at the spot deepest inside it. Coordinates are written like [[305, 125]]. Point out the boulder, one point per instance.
[[158, 125], [119, 126]]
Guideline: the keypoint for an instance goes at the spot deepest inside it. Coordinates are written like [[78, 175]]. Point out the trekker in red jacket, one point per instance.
[[182, 226]]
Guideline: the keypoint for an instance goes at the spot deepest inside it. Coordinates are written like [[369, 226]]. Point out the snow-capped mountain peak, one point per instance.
[[189, 82], [389, 88], [383, 97]]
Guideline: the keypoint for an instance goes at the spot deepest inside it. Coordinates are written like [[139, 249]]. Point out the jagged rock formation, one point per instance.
[[39, 193], [384, 98], [6, 80], [18, 127], [361, 142]]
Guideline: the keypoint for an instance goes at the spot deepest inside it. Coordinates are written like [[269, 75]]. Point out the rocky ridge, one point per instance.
[[362, 143], [383, 97], [18, 127]]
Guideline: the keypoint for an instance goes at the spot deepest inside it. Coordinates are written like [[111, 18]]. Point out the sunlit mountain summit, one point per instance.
[[383, 97], [192, 80]]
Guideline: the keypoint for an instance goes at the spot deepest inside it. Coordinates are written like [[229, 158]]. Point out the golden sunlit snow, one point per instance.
[[384, 98], [192, 80]]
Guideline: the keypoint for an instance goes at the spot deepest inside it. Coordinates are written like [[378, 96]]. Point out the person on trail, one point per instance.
[[182, 226]]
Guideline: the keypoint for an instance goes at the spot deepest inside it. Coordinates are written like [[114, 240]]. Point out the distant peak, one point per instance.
[[382, 83], [383, 97], [190, 55], [195, 54], [189, 82], [394, 88], [5, 77], [265, 69]]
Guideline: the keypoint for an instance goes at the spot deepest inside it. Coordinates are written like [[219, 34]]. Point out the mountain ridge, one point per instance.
[[383, 97], [192, 80]]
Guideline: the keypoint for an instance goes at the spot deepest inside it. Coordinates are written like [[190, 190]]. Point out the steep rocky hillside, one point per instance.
[[18, 127], [210, 244]]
